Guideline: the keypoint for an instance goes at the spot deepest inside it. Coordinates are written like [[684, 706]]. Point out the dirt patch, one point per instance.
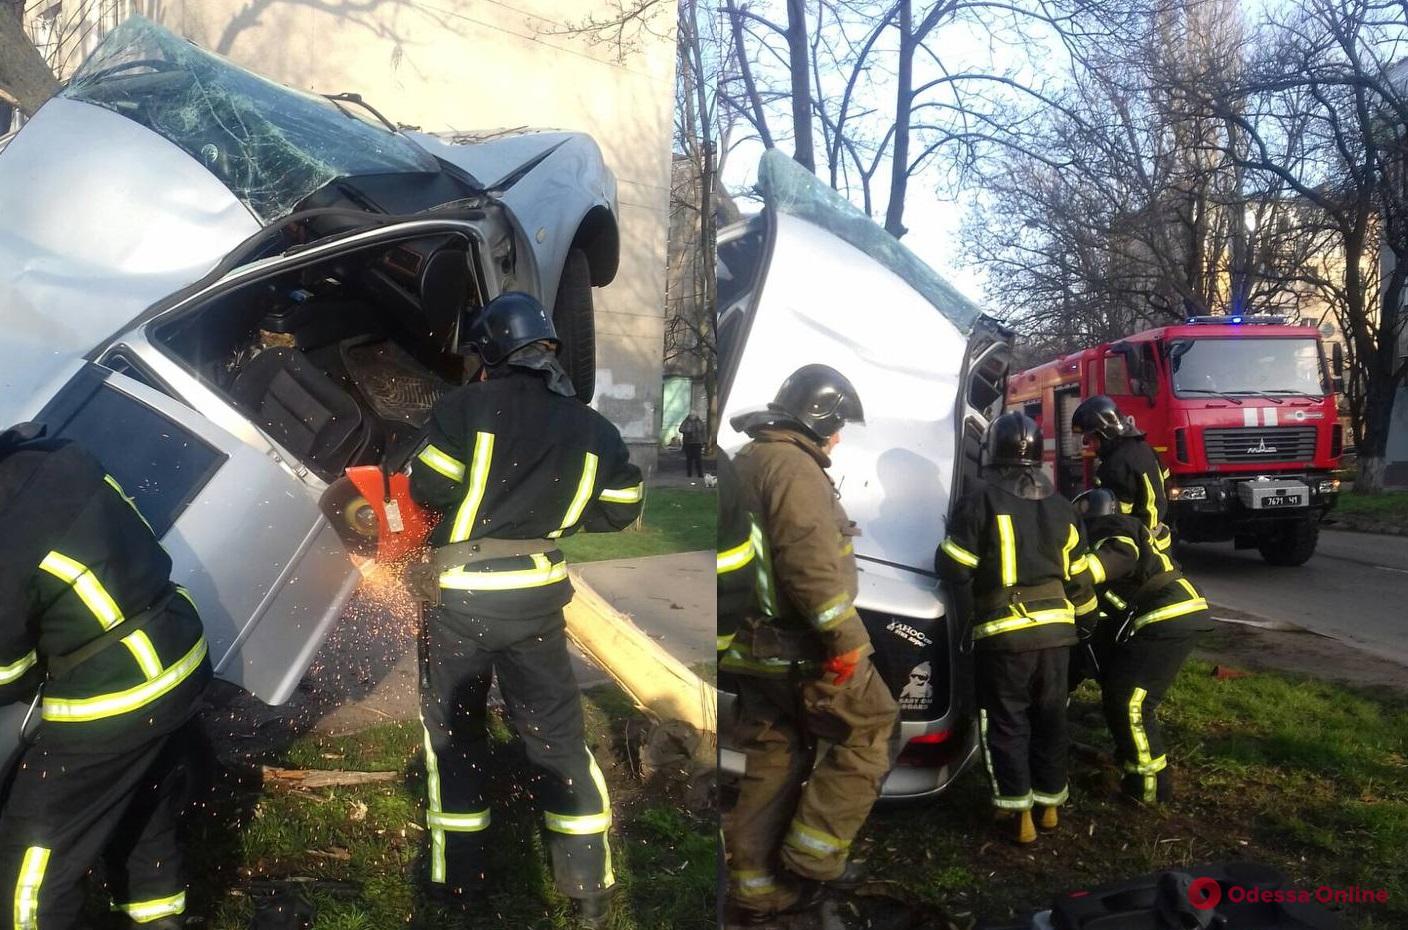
[[1298, 651]]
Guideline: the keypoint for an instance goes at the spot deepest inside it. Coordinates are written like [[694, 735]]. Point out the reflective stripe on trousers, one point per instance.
[[589, 824], [144, 912], [31, 877], [1145, 764]]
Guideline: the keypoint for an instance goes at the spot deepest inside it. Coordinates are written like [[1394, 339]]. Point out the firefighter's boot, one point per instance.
[[1050, 818], [1023, 830], [592, 913]]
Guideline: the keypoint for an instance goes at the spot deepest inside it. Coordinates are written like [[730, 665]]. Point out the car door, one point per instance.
[[246, 537], [811, 280]]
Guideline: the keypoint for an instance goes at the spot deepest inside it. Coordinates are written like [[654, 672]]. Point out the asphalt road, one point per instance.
[[1355, 588]]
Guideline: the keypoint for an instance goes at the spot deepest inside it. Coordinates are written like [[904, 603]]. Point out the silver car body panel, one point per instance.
[[548, 203], [905, 361], [92, 233]]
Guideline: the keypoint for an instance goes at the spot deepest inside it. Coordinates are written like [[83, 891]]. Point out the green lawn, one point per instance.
[[355, 852], [675, 520], [1306, 776], [1390, 506]]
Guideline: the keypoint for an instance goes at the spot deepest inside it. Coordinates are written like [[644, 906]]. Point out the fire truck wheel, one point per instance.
[[1291, 544]]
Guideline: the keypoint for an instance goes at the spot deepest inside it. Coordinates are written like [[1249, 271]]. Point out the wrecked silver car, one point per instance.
[[232, 291]]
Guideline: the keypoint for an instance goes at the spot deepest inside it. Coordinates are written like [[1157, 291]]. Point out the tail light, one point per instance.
[[1336, 441], [926, 750], [1180, 445]]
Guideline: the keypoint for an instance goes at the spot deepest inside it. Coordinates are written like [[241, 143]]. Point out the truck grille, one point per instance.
[[1260, 444]]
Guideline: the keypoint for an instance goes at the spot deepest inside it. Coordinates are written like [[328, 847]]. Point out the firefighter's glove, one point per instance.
[[842, 667]]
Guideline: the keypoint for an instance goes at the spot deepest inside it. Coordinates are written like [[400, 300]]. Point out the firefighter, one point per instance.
[[804, 672], [1151, 616], [513, 462], [113, 656], [1015, 549], [737, 557], [1128, 464]]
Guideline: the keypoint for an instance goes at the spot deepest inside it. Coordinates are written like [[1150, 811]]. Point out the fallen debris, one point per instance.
[[323, 778]]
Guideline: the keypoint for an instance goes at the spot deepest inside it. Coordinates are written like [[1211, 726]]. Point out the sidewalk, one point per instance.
[[365, 674], [669, 470]]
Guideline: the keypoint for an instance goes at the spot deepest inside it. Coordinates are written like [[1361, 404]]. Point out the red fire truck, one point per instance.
[[1240, 409]]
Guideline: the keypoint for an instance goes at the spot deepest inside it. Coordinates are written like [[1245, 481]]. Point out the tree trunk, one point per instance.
[[25, 78], [1381, 377], [904, 101], [799, 58]]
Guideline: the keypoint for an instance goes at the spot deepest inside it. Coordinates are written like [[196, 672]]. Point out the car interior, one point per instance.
[[339, 362]]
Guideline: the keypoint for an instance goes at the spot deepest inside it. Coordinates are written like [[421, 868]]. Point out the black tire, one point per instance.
[[574, 319], [1291, 544]]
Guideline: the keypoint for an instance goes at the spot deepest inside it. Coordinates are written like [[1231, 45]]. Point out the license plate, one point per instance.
[[1280, 500]]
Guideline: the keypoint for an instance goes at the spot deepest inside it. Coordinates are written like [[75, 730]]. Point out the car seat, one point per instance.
[[307, 413]]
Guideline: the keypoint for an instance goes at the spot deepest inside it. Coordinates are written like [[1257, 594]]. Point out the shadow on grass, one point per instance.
[[356, 853]]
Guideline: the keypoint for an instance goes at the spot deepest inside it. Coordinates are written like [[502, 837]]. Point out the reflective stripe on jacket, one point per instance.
[[1026, 562], [808, 577], [508, 459], [1142, 584], [78, 560]]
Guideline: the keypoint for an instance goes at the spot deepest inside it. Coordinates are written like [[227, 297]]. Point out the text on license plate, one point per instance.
[[1280, 500]]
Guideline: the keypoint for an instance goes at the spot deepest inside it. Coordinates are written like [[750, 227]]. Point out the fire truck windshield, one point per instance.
[[1247, 366]]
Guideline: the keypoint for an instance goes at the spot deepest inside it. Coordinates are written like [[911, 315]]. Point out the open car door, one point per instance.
[[811, 280]]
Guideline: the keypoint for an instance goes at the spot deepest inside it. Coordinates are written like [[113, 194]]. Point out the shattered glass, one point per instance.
[[789, 188], [270, 145]]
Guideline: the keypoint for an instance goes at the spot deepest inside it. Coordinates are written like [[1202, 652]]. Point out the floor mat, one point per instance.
[[395, 384]]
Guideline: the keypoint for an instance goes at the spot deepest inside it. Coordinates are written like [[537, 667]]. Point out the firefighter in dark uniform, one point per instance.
[[89, 615], [1129, 466], [1020, 547], [738, 556], [513, 463], [803, 666], [1150, 619]]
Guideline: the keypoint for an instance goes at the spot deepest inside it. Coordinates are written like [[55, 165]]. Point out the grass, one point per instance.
[[354, 853], [1309, 777], [675, 520], [1390, 506]]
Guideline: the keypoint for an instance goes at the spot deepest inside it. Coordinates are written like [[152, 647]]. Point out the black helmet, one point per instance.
[[1097, 502], [506, 324], [1100, 416], [819, 399], [1013, 439]]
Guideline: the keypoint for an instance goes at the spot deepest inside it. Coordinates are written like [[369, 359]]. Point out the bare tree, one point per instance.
[[690, 334], [1336, 67]]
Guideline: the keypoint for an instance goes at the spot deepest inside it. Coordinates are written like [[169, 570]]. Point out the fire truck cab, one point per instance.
[[1241, 411]]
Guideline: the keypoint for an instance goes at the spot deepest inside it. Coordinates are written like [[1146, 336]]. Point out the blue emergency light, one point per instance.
[[1239, 319]]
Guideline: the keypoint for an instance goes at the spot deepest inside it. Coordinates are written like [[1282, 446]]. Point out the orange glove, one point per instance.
[[844, 665]]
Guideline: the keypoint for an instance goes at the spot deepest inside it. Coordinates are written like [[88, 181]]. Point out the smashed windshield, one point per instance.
[[789, 188], [1247, 366], [270, 145]]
